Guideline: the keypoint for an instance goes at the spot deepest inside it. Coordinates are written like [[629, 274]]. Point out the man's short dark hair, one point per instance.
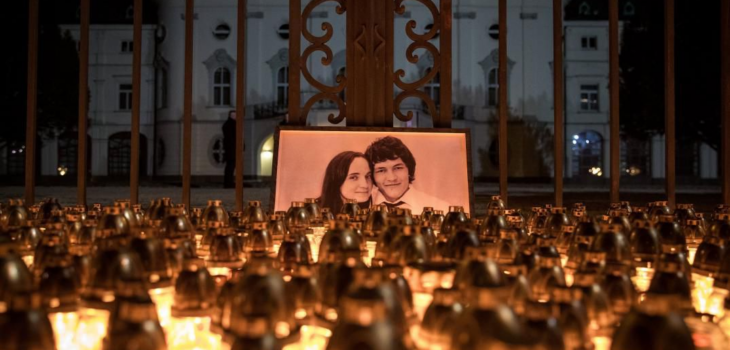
[[391, 148]]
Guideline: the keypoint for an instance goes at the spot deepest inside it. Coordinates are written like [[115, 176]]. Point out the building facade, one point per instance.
[[475, 87]]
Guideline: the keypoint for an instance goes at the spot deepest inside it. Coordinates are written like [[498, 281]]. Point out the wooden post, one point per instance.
[[445, 109], [295, 37], [614, 103], [503, 106], [32, 90], [240, 99], [188, 102], [725, 100], [136, 92], [559, 142], [81, 160], [669, 105]]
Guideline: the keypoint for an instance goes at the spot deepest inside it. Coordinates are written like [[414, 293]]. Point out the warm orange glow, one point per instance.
[[601, 343], [691, 255], [701, 292], [192, 333], [716, 302], [64, 326], [315, 239], [427, 341], [370, 245], [312, 338], [91, 329], [163, 299], [643, 277], [28, 260], [421, 301]]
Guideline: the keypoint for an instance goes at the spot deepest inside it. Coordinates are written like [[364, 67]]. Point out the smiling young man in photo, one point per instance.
[[394, 168]]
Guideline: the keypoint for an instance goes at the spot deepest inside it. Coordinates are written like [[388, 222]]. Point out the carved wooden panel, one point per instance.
[[370, 80]]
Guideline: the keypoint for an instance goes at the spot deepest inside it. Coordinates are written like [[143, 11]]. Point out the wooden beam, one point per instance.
[[295, 37], [136, 93], [240, 99], [615, 144], [725, 76], [503, 106], [32, 99], [188, 102], [81, 160], [558, 92], [669, 105], [445, 109]]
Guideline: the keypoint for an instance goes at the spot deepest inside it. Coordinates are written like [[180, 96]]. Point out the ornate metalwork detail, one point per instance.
[[319, 43], [420, 41]]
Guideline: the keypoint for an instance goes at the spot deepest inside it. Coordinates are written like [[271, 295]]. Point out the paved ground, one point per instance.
[[520, 195]]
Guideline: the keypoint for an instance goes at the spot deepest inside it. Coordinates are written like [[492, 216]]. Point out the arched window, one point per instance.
[[587, 152], [119, 154], [282, 86], [492, 88], [15, 158], [67, 153], [433, 87], [266, 158], [222, 87], [584, 9]]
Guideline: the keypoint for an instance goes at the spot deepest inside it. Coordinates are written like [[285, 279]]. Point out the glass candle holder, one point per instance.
[[192, 333], [91, 328], [64, 327]]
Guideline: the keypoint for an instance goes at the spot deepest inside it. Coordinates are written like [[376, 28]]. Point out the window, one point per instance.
[[629, 9], [282, 86], [589, 98], [433, 87], [589, 43], [125, 97], [218, 151], [222, 31], [67, 153], [428, 28], [584, 9], [635, 157], [283, 31], [119, 154], [587, 152], [127, 46], [130, 12], [222, 87], [493, 31], [15, 158], [492, 88]]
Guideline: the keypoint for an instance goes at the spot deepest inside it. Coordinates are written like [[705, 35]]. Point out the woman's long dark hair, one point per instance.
[[334, 177]]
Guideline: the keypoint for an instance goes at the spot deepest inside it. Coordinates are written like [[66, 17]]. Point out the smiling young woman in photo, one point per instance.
[[347, 177]]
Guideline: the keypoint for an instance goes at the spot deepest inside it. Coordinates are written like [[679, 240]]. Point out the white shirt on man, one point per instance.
[[414, 200]]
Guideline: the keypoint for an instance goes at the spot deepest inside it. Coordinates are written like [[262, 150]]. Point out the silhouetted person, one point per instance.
[[229, 148]]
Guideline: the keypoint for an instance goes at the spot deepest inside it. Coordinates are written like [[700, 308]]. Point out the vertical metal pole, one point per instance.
[[503, 107], [559, 142], [725, 76], [32, 89], [614, 85], [81, 169], [295, 30], [669, 106], [445, 109], [136, 92], [188, 101], [240, 100]]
